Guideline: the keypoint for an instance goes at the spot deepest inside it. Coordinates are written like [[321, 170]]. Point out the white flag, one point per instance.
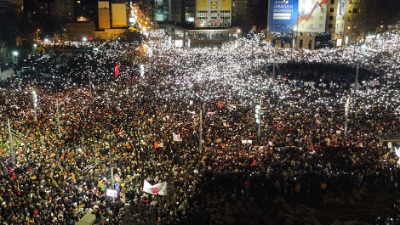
[[176, 137], [157, 189], [397, 150]]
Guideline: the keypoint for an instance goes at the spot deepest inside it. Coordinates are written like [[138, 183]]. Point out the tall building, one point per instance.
[[183, 12], [162, 10], [213, 13], [356, 19], [86, 11], [11, 5], [307, 22], [63, 11], [335, 23], [112, 15], [242, 14], [104, 15], [119, 16]]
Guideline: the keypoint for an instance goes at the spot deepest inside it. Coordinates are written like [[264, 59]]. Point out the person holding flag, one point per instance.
[[116, 70]]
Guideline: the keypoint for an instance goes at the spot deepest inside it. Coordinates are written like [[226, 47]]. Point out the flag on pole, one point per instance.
[[116, 70], [220, 104], [157, 189]]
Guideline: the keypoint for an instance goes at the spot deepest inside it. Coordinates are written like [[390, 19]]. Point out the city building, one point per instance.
[[314, 23], [62, 11], [77, 31], [213, 13], [86, 10], [320, 23], [335, 23], [11, 4], [112, 15], [249, 14], [356, 20]]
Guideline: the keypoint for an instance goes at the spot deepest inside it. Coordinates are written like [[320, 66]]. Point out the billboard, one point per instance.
[[282, 15], [341, 7], [312, 15]]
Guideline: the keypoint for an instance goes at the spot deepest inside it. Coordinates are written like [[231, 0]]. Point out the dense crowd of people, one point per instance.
[[185, 116]]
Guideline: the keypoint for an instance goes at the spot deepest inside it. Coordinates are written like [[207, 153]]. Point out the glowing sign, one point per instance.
[[282, 15]]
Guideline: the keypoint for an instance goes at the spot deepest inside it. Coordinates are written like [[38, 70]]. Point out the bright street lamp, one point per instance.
[[15, 56]]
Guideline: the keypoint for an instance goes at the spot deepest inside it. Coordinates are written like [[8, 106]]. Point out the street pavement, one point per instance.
[[6, 73]]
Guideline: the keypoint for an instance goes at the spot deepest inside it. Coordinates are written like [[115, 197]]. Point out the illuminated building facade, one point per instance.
[[347, 21], [104, 15], [355, 20], [213, 13], [112, 15], [335, 22]]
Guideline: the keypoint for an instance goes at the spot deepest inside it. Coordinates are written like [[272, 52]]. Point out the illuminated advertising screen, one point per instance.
[[282, 15], [341, 9], [312, 15]]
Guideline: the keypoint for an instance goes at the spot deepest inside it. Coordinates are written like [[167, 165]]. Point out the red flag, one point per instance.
[[116, 70], [219, 104]]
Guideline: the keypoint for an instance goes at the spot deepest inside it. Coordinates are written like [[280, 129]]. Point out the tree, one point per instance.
[[15, 33], [5, 56], [133, 36]]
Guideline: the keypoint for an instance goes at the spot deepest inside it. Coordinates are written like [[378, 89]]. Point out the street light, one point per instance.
[[15, 56], [346, 114], [11, 143], [58, 119], [35, 103], [258, 117], [14, 60], [293, 41], [238, 31]]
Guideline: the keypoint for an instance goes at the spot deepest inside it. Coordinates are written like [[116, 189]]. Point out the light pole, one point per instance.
[[10, 139], [201, 129], [111, 167], [35, 103], [356, 80], [15, 59], [357, 63], [346, 114], [293, 44], [252, 51], [273, 65], [258, 117], [34, 48], [58, 119], [84, 39]]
